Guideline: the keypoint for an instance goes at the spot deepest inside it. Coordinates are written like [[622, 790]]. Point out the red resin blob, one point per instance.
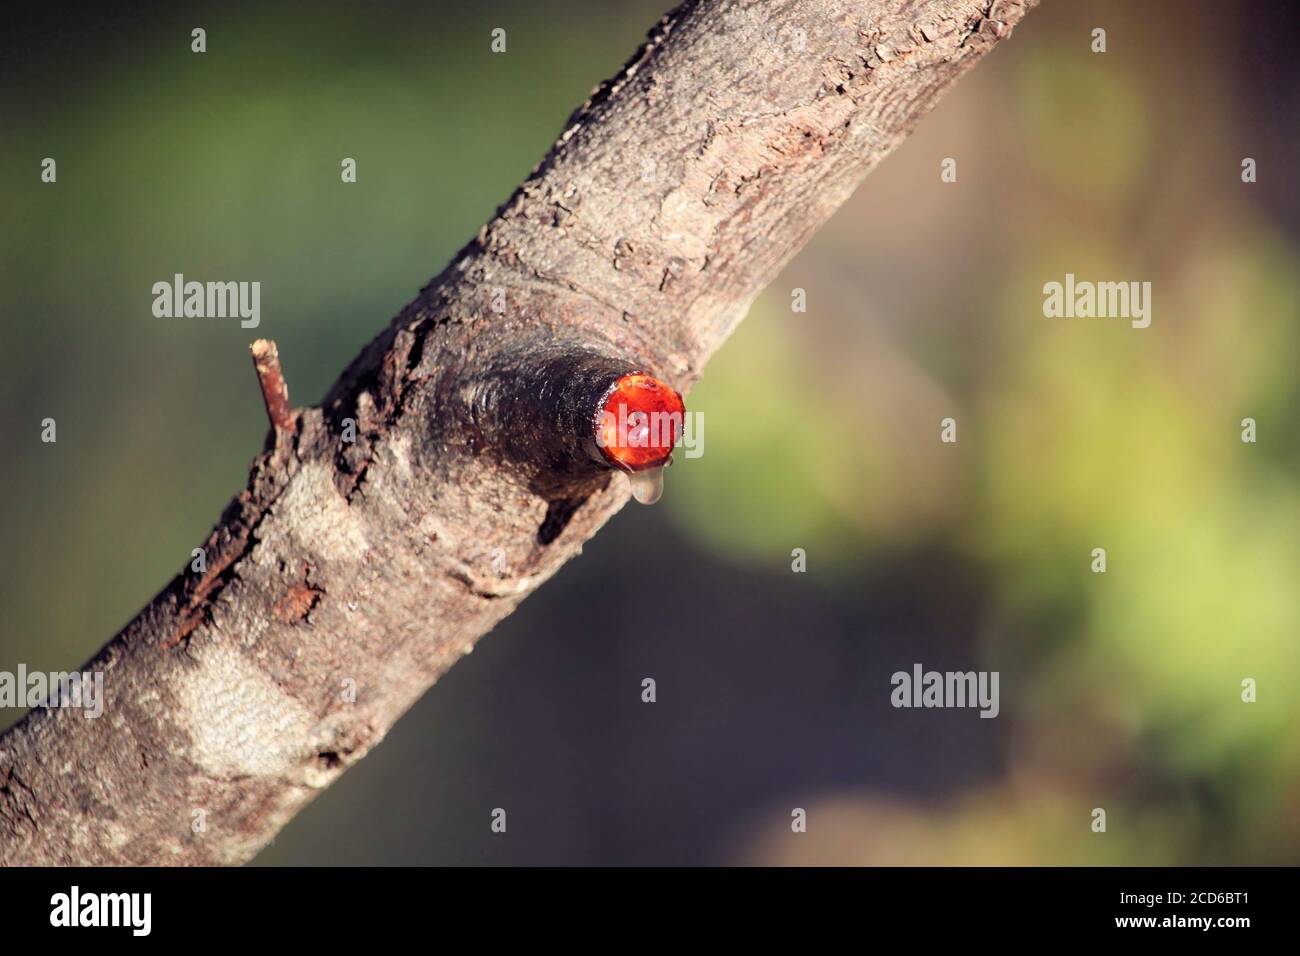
[[640, 422]]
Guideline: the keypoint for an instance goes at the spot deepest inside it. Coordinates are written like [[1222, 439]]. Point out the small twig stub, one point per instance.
[[275, 393]]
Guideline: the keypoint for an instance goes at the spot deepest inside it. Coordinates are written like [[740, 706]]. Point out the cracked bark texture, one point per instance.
[[671, 198]]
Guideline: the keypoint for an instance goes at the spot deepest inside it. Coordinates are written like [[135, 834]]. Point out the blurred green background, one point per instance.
[[1118, 690]]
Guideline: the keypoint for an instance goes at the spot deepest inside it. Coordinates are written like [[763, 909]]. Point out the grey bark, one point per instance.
[[671, 198]]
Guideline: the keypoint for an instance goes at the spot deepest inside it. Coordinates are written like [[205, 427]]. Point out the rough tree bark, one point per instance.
[[673, 196]]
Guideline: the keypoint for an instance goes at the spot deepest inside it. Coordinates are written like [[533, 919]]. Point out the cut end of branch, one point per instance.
[[566, 415], [639, 422], [275, 393]]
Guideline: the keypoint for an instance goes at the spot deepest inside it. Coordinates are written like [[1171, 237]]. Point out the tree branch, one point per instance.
[[275, 393], [350, 574]]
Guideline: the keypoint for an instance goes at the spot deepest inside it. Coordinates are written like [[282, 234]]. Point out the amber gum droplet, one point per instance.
[[639, 422]]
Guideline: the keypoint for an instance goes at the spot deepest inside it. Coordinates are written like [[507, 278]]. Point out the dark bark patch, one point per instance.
[[558, 515]]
